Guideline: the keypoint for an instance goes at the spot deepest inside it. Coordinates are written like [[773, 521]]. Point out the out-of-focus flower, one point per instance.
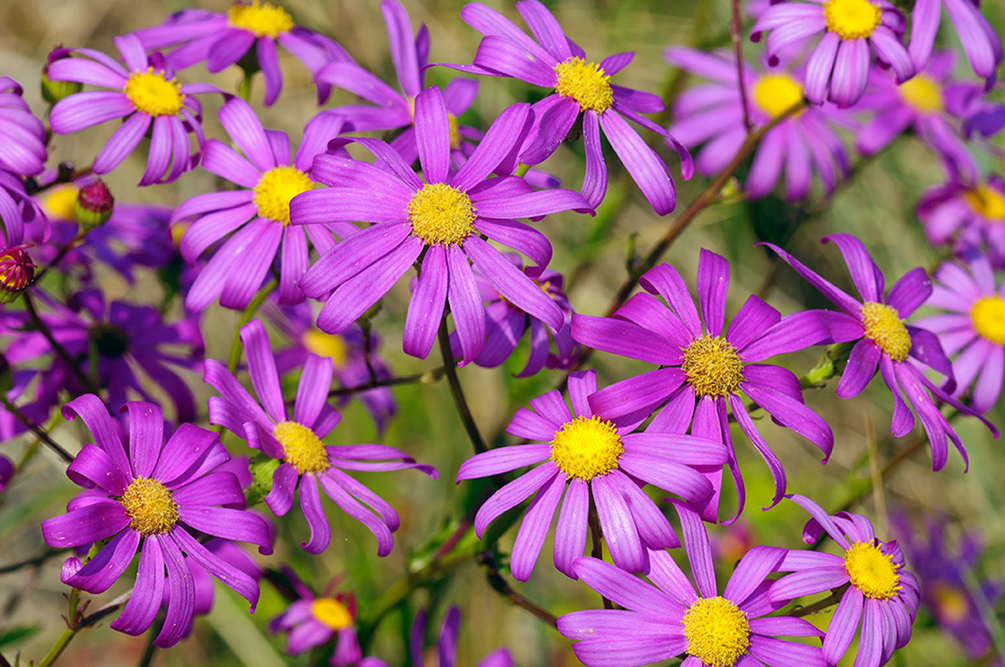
[[979, 39], [313, 620], [899, 350], [145, 94], [442, 214], [881, 598], [152, 496], [256, 217], [973, 330], [6, 472], [307, 462], [17, 208], [222, 40], [704, 370], [850, 32], [660, 621], [582, 94], [22, 136], [446, 646], [712, 114], [591, 456], [970, 215]]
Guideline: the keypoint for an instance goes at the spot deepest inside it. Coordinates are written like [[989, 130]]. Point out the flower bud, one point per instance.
[[17, 272], [54, 91], [94, 205]]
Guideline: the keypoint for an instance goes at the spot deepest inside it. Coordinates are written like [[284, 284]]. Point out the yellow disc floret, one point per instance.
[[987, 202], [441, 215], [777, 93], [712, 366], [872, 571], [150, 92], [58, 203], [331, 612], [717, 632], [275, 190], [149, 506], [584, 82], [852, 19], [303, 448], [585, 448], [922, 94], [988, 315], [262, 18], [884, 327], [326, 345]]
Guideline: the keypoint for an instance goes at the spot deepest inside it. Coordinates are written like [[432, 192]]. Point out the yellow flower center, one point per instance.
[[326, 345], [304, 450], [455, 131], [951, 603], [331, 612], [151, 93], [585, 448], [441, 215], [851, 19], [275, 190], [988, 315], [872, 571], [263, 19], [777, 93], [884, 327], [717, 632], [58, 203], [584, 82], [921, 93], [712, 366], [149, 506], [986, 202]]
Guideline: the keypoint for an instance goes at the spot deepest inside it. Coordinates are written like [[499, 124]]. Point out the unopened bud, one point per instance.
[[94, 205], [54, 91], [17, 272]]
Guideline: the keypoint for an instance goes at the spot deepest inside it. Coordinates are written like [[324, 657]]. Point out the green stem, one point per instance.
[[70, 245], [450, 368], [235, 342], [244, 88], [43, 328], [73, 625], [428, 377]]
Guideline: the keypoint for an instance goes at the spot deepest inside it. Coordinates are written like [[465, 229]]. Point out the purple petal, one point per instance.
[[425, 308], [534, 528]]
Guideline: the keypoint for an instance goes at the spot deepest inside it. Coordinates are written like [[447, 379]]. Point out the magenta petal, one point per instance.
[[534, 528], [86, 525], [143, 605], [667, 282], [83, 110], [513, 494], [99, 573], [751, 572], [425, 308], [641, 161], [625, 339], [512, 283], [95, 415], [622, 588], [570, 532], [503, 459], [432, 133], [819, 66], [310, 503], [493, 148], [122, 142], [181, 591], [860, 369], [698, 549], [465, 305], [355, 509], [618, 525], [713, 283], [843, 625], [510, 59], [809, 582], [284, 484]]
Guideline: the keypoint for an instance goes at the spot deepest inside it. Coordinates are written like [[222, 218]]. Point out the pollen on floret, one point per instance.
[[712, 366], [584, 82], [331, 613], [441, 215], [717, 632], [986, 202], [327, 345], [884, 327], [872, 571], [921, 93], [586, 447], [151, 92], [276, 188], [303, 448], [262, 18], [149, 506], [988, 315], [777, 93], [852, 19]]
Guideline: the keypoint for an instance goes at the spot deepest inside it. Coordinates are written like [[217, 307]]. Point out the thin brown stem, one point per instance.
[[60, 351], [36, 431], [820, 605], [499, 583], [734, 33], [34, 560], [428, 377], [450, 368], [70, 245]]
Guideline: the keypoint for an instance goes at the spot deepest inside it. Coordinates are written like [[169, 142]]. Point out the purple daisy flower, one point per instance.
[[712, 114], [505, 325], [978, 37], [442, 218], [668, 617], [446, 646], [853, 32], [970, 215], [145, 94], [594, 457], [22, 136], [881, 599], [222, 40], [930, 103], [152, 497], [306, 461], [312, 620], [258, 215], [973, 330], [898, 350], [582, 92], [704, 371]]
